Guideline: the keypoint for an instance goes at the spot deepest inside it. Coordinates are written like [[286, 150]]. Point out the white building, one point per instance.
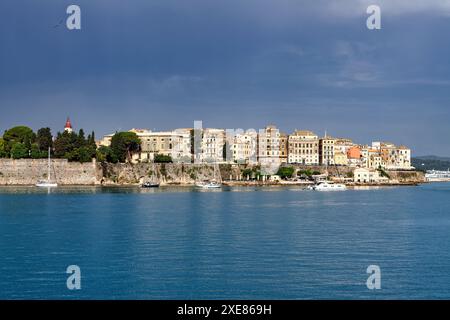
[[393, 157], [243, 147], [212, 145], [368, 175], [404, 158]]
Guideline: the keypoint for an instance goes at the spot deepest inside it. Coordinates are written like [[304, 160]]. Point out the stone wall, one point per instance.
[[332, 170], [402, 176], [407, 176], [168, 173], [29, 171]]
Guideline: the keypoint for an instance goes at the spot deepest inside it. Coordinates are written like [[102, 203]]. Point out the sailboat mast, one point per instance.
[[48, 172]]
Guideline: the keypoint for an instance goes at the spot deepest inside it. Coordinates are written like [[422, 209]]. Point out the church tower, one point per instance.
[[68, 127]]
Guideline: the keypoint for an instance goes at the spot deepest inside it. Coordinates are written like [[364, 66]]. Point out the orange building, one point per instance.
[[354, 153]]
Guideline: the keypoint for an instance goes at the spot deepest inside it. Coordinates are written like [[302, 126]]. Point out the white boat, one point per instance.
[[328, 186], [437, 176], [47, 183], [150, 185], [208, 185], [325, 185], [154, 181], [213, 184]]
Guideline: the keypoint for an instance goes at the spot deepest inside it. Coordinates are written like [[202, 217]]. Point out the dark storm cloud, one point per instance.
[[299, 64]]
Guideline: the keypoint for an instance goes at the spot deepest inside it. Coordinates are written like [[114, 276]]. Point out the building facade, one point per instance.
[[354, 156], [176, 144], [326, 150], [270, 142], [303, 147], [243, 148], [283, 147], [213, 146], [393, 157], [368, 175], [268, 146], [340, 158]]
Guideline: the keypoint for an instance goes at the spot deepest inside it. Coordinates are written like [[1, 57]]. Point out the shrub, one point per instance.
[[161, 158], [285, 172]]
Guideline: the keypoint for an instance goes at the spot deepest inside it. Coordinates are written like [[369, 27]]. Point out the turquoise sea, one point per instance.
[[234, 243]]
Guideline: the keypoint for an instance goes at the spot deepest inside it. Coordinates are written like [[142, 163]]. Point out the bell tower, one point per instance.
[[68, 127]]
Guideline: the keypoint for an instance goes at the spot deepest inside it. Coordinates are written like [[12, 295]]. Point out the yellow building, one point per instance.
[[340, 158], [326, 150], [176, 144], [303, 147]]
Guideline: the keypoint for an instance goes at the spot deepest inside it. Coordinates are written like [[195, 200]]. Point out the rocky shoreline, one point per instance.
[[28, 172]]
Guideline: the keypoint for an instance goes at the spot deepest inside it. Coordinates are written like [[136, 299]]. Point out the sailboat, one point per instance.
[[153, 183], [48, 183], [213, 184]]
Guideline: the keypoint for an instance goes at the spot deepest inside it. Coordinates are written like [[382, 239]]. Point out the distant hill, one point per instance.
[[433, 158], [431, 163]]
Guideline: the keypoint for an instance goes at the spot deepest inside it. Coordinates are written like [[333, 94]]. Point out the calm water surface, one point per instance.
[[238, 243]]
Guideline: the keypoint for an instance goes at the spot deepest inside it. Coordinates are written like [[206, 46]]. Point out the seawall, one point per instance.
[[29, 171], [166, 173]]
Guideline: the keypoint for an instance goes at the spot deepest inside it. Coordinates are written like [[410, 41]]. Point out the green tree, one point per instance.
[[91, 140], [81, 140], [65, 143], [3, 153], [19, 151], [247, 172], [82, 154], [75, 147], [44, 139], [19, 134], [36, 153], [285, 172], [161, 158], [124, 144], [105, 154], [383, 172]]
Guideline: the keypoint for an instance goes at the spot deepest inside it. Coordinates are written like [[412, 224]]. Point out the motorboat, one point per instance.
[[328, 186], [150, 185]]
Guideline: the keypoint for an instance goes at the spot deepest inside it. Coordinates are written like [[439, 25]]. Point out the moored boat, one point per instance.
[[47, 183], [328, 186], [208, 185], [150, 185]]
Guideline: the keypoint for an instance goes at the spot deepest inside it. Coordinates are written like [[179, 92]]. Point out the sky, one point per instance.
[[161, 64]]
